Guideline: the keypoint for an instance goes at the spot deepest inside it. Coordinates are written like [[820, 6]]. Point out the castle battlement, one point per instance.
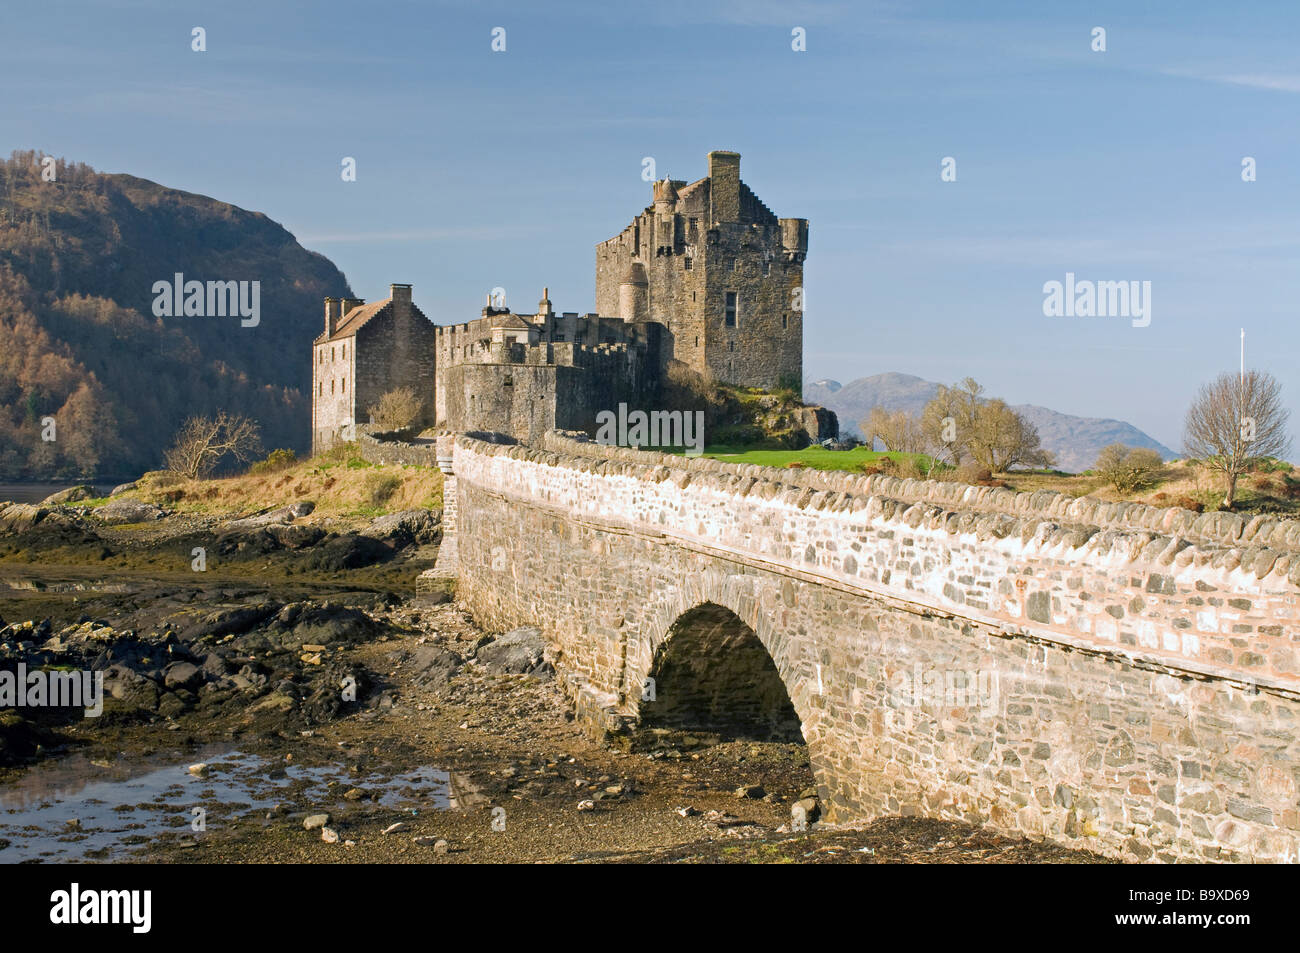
[[706, 276]]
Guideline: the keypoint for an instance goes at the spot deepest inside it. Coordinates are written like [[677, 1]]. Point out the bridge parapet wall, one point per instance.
[[1199, 593], [1012, 669]]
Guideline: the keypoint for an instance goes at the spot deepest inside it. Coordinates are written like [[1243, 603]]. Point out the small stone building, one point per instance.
[[365, 351]]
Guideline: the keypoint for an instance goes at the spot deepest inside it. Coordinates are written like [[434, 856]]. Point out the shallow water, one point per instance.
[[35, 492], [122, 809]]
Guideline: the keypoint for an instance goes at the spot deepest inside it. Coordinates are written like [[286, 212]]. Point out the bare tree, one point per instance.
[[1233, 421], [1127, 468], [397, 409], [202, 442]]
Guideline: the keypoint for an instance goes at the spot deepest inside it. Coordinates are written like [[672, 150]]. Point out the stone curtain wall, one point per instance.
[[390, 449], [1072, 680]]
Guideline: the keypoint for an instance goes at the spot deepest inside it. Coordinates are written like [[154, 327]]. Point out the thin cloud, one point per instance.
[[474, 234]]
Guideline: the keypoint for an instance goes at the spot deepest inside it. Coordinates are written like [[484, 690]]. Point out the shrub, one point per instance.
[[1265, 485], [1127, 468], [1187, 503], [397, 409], [795, 465], [870, 469], [275, 460], [1161, 496], [382, 486]]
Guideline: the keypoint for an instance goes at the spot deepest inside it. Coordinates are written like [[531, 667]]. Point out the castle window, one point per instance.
[[321, 389], [508, 382], [767, 267], [729, 313], [731, 264], [333, 355], [785, 320], [697, 340], [731, 345], [331, 387], [345, 352], [686, 262], [344, 387]]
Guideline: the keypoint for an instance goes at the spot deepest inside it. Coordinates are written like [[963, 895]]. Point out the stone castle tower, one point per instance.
[[724, 276]]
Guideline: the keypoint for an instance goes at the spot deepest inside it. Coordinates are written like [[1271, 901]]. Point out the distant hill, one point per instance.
[[1074, 440], [79, 257]]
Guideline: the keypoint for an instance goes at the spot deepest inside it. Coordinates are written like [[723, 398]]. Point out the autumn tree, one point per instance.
[[397, 409], [1127, 468], [203, 442], [898, 430], [962, 423], [1233, 421]]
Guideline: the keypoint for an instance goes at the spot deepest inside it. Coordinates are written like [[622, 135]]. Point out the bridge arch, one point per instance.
[[711, 673]]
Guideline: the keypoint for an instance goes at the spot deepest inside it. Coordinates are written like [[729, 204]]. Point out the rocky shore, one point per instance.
[[294, 690]]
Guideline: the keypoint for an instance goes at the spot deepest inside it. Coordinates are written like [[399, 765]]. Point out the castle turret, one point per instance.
[[665, 194], [634, 293], [794, 238]]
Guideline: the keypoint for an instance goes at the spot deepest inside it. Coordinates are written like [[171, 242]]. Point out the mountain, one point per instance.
[[79, 259], [1075, 441]]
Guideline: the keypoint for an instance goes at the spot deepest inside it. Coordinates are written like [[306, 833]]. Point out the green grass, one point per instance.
[[814, 458]]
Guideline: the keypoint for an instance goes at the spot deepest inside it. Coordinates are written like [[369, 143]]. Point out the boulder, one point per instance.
[[433, 664], [407, 527], [182, 675], [72, 494], [129, 511], [292, 536], [519, 651], [123, 488], [349, 551], [20, 517]]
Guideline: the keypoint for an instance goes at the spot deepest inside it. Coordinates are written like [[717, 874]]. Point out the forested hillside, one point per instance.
[[79, 257]]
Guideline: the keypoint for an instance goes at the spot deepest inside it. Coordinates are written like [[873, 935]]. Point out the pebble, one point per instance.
[[687, 811], [199, 770], [394, 828], [750, 791], [587, 805], [329, 835], [314, 821]]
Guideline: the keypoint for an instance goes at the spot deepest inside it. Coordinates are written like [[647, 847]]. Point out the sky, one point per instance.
[[479, 168]]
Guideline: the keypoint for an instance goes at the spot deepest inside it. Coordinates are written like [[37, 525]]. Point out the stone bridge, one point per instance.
[[1115, 677]]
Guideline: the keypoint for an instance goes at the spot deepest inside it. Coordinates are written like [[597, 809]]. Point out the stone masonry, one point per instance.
[[723, 275], [1137, 668], [365, 351]]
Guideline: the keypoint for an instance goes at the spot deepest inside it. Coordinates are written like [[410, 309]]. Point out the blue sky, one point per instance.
[[478, 169]]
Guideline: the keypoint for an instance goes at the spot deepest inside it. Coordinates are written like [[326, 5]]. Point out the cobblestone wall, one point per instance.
[[1119, 678]]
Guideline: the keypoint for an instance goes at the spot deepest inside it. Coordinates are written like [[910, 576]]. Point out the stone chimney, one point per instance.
[[332, 314], [544, 306], [401, 294], [724, 186]]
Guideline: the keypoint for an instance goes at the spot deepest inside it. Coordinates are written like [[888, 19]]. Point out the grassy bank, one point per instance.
[[818, 458], [338, 481]]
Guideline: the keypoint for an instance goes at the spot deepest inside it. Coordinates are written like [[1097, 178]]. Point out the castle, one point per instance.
[[705, 280]]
